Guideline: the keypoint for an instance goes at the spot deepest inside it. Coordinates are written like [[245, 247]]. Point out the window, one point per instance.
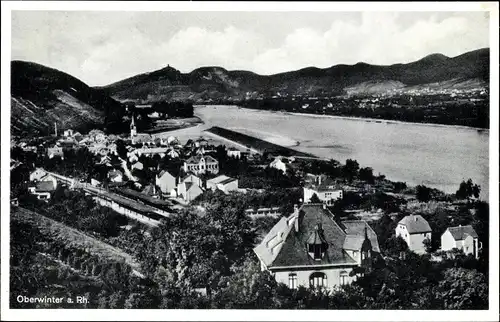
[[317, 280], [316, 251], [292, 281], [343, 278]]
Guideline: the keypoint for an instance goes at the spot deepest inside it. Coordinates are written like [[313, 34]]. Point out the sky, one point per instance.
[[100, 48]]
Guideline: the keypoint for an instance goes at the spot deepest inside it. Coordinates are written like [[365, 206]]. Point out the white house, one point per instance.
[[325, 188], [173, 153], [201, 164], [68, 133], [188, 190], [49, 178], [42, 190], [461, 237], [223, 183], [189, 187], [115, 176], [137, 165], [105, 160], [55, 151], [414, 229], [37, 174], [234, 153], [192, 178], [165, 181], [310, 249], [278, 164]]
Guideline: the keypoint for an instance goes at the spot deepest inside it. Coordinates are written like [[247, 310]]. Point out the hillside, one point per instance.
[[212, 83], [42, 96]]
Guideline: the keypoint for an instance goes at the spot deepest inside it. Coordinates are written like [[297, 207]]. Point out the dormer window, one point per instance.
[[316, 244]]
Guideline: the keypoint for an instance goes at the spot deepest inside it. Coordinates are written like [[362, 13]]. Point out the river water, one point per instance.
[[433, 155]]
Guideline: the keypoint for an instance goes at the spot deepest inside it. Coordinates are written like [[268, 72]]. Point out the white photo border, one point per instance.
[[240, 315]]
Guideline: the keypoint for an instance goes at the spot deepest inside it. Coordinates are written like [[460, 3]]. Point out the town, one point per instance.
[[224, 220]]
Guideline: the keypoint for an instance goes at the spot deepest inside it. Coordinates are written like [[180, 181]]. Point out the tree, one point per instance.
[[121, 149], [384, 228], [394, 246], [428, 245], [350, 169], [399, 186], [366, 174], [463, 289], [467, 189], [315, 199], [423, 193]]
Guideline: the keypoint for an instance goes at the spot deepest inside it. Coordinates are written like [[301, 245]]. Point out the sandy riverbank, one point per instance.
[[384, 121], [269, 137], [170, 125]]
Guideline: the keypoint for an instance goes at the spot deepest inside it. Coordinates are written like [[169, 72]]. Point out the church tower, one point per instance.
[[133, 130]]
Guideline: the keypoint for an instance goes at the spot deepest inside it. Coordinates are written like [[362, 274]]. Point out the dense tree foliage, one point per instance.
[[77, 210], [467, 190], [173, 109], [423, 193], [408, 108]]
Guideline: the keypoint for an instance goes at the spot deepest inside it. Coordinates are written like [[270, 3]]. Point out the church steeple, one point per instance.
[[133, 130]]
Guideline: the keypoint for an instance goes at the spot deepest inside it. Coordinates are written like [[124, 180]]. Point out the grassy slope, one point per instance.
[[70, 236]]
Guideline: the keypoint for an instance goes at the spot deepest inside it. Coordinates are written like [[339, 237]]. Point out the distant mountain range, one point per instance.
[[212, 83], [42, 96]]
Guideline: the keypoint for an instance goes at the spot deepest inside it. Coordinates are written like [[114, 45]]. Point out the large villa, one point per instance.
[[310, 249]]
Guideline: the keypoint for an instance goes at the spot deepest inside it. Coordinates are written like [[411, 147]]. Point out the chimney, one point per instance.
[[319, 179], [296, 217]]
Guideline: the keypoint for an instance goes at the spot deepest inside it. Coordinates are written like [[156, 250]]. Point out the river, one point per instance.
[[433, 155]]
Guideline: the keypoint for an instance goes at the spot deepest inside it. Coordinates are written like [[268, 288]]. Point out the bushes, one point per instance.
[[79, 211]]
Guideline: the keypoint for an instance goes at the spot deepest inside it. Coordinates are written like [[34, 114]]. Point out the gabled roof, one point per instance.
[[461, 232], [164, 172], [138, 165], [197, 158], [293, 252], [142, 137], [415, 224], [114, 173], [150, 190], [222, 179], [182, 179], [353, 242], [355, 230], [45, 186], [191, 186], [271, 245]]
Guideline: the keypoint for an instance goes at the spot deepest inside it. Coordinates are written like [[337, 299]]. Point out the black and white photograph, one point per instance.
[[282, 161]]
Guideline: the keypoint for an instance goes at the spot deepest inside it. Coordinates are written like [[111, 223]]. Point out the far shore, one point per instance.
[[355, 118], [385, 121]]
